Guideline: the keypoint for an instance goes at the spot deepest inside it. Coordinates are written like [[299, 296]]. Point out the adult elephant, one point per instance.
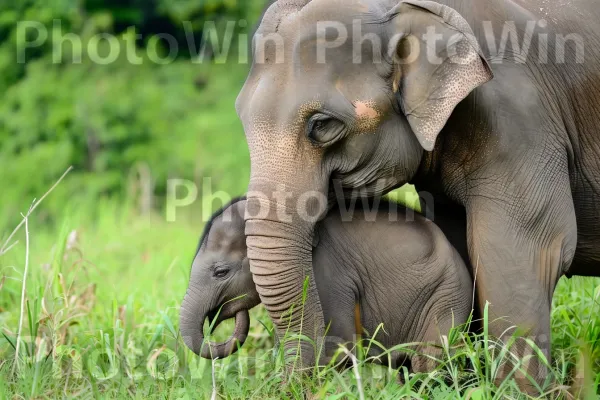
[[513, 158]]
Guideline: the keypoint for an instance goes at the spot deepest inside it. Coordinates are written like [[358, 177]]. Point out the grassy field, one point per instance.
[[101, 313]]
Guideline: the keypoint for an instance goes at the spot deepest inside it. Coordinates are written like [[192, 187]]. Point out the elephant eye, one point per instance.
[[220, 272], [324, 130]]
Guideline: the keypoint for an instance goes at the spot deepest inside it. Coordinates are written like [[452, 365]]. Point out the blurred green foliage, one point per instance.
[[119, 121]]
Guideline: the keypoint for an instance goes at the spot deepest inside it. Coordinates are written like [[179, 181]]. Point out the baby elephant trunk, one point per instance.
[[192, 318], [231, 345]]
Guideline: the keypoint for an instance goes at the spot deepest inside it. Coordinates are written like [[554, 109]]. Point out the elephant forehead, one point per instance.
[[226, 235], [314, 21], [296, 13]]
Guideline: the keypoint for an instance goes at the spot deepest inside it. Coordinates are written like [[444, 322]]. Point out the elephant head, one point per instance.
[[221, 285], [352, 92]]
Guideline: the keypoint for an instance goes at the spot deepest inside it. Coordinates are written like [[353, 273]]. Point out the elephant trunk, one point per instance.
[[194, 310], [280, 253]]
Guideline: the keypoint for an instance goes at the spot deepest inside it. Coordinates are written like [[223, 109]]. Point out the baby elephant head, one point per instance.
[[221, 285]]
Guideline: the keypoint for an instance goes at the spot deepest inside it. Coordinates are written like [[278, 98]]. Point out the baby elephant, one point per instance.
[[404, 275]]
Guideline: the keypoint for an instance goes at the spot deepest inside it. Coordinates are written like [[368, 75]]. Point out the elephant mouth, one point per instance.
[[341, 191], [214, 350]]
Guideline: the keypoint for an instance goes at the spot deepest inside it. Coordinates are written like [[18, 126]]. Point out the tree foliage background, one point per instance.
[[121, 125]]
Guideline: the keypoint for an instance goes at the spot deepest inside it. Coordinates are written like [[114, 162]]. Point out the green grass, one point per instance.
[[103, 291]]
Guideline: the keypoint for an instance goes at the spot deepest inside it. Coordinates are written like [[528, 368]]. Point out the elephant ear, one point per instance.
[[433, 73]]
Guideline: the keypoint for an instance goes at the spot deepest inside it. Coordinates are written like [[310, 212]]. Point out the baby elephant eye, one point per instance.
[[220, 272]]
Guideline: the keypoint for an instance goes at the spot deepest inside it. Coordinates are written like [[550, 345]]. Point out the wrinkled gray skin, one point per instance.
[[514, 160], [404, 275]]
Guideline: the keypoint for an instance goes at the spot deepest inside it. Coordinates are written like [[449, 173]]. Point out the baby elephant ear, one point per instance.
[[438, 62]]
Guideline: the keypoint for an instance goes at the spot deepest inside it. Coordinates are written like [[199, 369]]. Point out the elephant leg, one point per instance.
[[338, 304], [428, 353], [522, 236], [444, 317]]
